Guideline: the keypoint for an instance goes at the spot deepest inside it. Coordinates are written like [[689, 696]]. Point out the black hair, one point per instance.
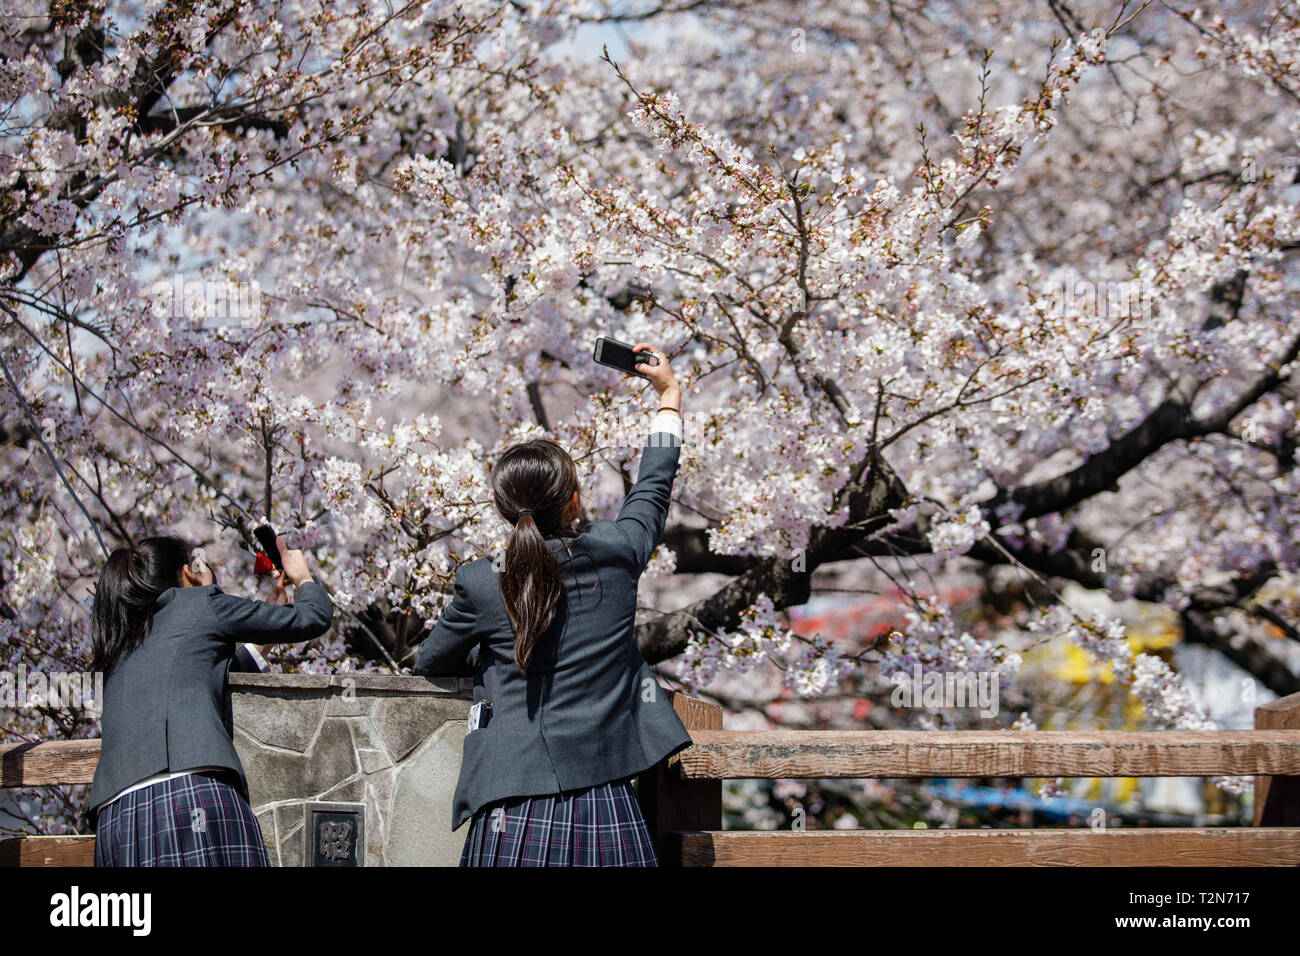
[[132, 581]]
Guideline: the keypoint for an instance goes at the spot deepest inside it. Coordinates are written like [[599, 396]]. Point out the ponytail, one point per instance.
[[532, 485], [128, 588], [530, 586]]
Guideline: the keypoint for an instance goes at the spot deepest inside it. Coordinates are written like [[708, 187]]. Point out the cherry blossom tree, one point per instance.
[[954, 289]]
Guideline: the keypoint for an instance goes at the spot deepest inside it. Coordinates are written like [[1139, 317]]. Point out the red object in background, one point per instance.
[[865, 623], [262, 565]]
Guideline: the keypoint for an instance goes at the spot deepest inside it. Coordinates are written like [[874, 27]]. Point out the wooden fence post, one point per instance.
[[670, 803], [1277, 799]]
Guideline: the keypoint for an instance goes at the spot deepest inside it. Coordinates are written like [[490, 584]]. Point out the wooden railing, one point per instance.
[[682, 800], [49, 764]]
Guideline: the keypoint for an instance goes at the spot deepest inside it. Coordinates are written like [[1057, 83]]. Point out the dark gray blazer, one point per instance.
[[165, 703], [589, 710]]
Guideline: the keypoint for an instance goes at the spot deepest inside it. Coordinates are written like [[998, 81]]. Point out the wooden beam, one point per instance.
[[47, 851], [671, 803], [1241, 846], [48, 764], [719, 755], [1277, 799]]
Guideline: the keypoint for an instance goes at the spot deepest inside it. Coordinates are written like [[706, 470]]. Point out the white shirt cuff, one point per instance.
[[670, 422], [258, 659]]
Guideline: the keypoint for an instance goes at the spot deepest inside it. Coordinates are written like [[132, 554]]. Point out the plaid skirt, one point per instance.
[[196, 820], [599, 826]]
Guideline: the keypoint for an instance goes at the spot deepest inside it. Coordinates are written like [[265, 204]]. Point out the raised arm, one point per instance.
[[257, 622], [645, 509]]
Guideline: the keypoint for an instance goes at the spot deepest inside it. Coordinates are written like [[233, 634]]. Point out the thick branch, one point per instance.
[[1246, 651], [1171, 421]]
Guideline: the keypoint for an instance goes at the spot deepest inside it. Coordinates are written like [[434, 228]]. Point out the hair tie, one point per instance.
[[524, 511]]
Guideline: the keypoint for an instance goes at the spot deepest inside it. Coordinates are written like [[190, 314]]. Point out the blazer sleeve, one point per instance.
[[645, 509], [451, 649], [257, 622]]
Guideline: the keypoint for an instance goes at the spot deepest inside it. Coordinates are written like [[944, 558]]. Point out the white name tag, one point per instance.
[[476, 714]]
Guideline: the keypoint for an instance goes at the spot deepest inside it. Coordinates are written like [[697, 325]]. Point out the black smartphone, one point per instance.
[[265, 536], [622, 356]]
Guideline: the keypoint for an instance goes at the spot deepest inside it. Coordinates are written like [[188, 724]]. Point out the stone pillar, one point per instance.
[[392, 743]]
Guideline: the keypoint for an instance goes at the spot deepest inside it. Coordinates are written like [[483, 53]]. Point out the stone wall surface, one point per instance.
[[392, 743]]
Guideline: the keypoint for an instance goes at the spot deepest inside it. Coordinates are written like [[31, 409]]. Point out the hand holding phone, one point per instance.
[[286, 565], [624, 357], [294, 567], [660, 375]]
